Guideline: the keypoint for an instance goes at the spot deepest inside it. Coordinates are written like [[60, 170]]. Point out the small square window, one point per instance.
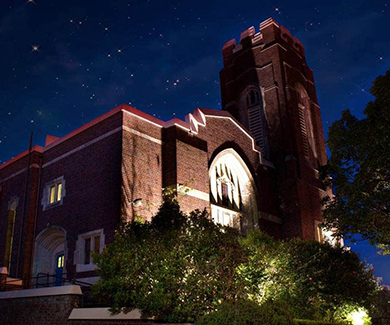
[[53, 193]]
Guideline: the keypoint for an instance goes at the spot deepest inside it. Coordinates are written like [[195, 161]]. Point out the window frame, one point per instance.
[[80, 257], [253, 102], [53, 193]]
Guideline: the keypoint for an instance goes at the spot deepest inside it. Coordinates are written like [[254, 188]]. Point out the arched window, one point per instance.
[[228, 192], [252, 98], [233, 193], [12, 205], [305, 121], [256, 119]]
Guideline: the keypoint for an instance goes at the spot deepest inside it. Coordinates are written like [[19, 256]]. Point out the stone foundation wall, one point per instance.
[[50, 306], [38, 310]]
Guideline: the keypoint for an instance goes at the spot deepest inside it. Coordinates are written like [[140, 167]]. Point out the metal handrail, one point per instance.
[[34, 282]]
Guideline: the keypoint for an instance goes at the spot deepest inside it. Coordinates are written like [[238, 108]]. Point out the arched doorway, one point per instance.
[[50, 253], [233, 194]]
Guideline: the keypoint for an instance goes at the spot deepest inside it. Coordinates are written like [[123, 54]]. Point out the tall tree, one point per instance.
[[359, 170]]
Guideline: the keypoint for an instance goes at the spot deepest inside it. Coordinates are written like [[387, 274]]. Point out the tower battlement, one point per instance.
[[270, 32]]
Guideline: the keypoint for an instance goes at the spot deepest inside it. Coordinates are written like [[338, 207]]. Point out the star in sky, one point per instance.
[[34, 48]]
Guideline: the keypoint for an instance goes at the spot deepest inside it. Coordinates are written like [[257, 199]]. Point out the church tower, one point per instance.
[[267, 86]]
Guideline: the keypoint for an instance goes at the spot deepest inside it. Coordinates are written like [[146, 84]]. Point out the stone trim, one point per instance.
[[103, 313], [52, 291]]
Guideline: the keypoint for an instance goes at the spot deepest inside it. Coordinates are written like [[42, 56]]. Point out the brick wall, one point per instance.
[[141, 167], [274, 61]]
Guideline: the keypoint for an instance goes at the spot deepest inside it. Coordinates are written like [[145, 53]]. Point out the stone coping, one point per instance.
[[41, 292], [103, 313]]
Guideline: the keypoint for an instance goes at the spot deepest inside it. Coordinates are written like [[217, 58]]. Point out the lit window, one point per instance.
[[59, 192], [319, 235], [53, 193], [60, 261]]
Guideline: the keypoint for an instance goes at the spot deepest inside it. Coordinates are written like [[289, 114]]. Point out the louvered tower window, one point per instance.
[[306, 124], [256, 118]]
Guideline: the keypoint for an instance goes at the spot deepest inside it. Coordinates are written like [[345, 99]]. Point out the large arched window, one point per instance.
[[306, 124], [233, 192], [256, 119]]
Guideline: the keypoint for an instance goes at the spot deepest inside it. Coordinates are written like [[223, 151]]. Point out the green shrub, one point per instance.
[[314, 322], [246, 312]]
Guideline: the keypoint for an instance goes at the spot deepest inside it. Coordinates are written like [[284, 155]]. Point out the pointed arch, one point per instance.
[[233, 192], [50, 242]]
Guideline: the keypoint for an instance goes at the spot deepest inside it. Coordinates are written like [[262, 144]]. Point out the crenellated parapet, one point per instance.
[[269, 33]]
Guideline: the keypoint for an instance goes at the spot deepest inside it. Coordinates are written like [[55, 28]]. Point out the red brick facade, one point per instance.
[[69, 196], [274, 62]]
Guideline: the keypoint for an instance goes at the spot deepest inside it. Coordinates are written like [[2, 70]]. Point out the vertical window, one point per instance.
[[97, 244], [91, 244], [55, 193], [60, 261], [9, 239], [306, 124], [59, 192], [319, 236], [87, 251], [256, 118], [86, 244], [225, 194], [52, 195]]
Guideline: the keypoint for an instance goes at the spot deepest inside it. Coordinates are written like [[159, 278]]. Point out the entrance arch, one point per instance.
[[49, 244], [233, 193]]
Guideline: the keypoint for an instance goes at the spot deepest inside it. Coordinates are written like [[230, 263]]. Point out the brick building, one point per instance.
[[252, 165]]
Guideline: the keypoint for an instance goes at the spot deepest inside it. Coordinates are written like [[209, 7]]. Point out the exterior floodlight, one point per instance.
[[137, 202]]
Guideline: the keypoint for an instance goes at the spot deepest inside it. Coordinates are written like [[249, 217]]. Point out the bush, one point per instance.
[[178, 268], [246, 312], [313, 322]]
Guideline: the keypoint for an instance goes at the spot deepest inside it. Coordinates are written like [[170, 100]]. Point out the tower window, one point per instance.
[[256, 119], [253, 98], [306, 125]]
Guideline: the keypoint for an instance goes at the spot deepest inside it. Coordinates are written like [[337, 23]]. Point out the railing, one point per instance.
[[45, 280], [42, 280]]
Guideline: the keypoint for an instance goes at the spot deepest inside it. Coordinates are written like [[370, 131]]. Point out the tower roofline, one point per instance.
[[269, 32]]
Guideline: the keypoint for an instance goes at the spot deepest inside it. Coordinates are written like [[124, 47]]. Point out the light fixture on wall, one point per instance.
[[137, 202]]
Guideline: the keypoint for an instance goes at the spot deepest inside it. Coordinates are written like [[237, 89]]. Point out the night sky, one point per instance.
[[64, 63]]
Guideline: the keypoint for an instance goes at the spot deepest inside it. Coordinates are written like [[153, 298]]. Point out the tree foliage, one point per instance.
[[247, 312], [314, 278], [178, 268], [359, 167]]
